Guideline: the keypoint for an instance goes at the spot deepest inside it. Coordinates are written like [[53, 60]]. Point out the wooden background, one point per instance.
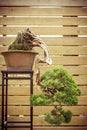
[[62, 24]]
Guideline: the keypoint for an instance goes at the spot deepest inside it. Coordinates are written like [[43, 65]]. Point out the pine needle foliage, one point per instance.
[[58, 88]]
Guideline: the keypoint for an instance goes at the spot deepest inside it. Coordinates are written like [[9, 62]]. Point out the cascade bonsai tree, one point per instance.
[[58, 88], [26, 41]]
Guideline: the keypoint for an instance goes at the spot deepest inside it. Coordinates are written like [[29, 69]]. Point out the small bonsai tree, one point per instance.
[[59, 89], [23, 41], [26, 41]]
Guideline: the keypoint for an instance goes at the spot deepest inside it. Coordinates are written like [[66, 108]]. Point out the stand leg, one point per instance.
[[31, 107], [6, 101], [2, 101], [31, 118]]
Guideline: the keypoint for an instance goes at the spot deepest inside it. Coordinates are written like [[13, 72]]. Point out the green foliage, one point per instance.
[[21, 43], [58, 116], [40, 100], [58, 87]]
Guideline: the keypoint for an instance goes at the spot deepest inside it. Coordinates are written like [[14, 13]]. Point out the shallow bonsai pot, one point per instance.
[[19, 60]]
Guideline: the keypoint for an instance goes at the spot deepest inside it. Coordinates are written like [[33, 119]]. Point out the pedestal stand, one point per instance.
[[6, 76]]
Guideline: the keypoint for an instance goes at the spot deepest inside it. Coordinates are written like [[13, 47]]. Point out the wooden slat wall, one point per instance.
[[42, 3], [62, 24]]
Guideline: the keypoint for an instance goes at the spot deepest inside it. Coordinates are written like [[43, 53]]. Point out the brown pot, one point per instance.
[[19, 60]]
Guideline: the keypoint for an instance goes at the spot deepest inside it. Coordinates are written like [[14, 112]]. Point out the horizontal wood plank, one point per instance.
[[39, 121], [41, 2], [51, 41], [42, 21], [74, 121], [64, 50], [22, 90], [76, 110], [62, 60], [74, 70], [59, 50], [52, 128], [69, 60], [54, 11], [41, 110], [45, 30], [24, 100]]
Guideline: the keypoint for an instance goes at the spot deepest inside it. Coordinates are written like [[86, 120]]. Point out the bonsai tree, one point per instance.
[[22, 42], [58, 88], [27, 40]]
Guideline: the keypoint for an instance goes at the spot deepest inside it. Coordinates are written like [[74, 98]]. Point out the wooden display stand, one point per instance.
[[6, 76]]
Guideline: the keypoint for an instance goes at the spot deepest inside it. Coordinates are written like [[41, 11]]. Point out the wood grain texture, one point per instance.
[[42, 21], [51, 41], [52, 128], [43, 3], [45, 30], [59, 50], [24, 100], [62, 60], [35, 11], [40, 110], [39, 121]]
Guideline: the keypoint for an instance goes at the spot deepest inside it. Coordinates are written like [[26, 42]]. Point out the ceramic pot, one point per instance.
[[19, 60]]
